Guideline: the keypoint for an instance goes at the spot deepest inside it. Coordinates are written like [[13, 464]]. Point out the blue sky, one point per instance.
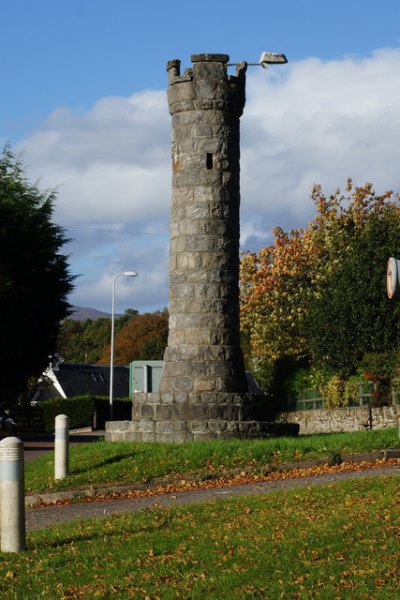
[[83, 98]]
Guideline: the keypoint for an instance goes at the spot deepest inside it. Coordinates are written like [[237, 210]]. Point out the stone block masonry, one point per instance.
[[171, 417], [345, 419], [203, 390], [203, 353]]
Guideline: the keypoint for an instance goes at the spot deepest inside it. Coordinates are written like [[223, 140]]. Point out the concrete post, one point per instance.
[[12, 496], [61, 447]]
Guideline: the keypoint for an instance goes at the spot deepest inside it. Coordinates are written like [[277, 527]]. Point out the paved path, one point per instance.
[[36, 445], [39, 518]]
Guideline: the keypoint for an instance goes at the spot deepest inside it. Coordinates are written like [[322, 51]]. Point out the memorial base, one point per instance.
[[182, 417]]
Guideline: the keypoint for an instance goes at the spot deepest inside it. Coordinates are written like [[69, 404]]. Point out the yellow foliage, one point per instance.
[[278, 282]]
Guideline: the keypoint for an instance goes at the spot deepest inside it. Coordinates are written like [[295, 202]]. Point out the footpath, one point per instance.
[[37, 444], [46, 510]]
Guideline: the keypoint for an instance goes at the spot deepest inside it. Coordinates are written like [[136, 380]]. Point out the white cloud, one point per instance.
[[318, 122], [304, 123], [110, 164], [147, 292]]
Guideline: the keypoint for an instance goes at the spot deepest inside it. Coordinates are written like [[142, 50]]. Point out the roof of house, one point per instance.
[[67, 380], [78, 380]]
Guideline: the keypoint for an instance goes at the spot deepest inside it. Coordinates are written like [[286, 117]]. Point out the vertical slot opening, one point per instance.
[[209, 161]]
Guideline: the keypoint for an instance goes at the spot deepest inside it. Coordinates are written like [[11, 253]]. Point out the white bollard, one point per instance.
[[12, 495], [61, 447]]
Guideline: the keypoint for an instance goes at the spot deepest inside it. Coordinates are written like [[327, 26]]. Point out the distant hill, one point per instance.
[[81, 313]]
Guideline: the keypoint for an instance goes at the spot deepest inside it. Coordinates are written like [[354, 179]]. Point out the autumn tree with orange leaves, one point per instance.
[[319, 293], [144, 337]]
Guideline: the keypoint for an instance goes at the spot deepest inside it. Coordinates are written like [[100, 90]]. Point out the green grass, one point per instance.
[[103, 463], [338, 541]]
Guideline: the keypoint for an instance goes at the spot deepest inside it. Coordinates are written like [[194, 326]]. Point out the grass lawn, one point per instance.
[[103, 463], [336, 542]]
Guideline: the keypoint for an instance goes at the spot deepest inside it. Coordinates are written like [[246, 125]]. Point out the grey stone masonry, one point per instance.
[[203, 390], [203, 353], [346, 419], [180, 417]]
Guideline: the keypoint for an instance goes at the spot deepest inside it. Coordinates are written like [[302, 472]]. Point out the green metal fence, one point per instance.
[[311, 398]]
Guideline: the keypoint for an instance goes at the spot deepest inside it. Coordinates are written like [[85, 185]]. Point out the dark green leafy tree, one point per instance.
[[350, 315], [83, 342], [69, 341], [96, 336], [34, 278], [316, 298]]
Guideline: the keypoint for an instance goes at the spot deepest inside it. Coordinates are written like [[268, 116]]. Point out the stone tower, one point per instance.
[[203, 391], [204, 353]]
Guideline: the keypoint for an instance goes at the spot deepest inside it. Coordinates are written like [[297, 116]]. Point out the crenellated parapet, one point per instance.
[[206, 85]]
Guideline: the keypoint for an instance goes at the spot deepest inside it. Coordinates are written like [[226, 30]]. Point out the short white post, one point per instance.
[[12, 495], [61, 447]]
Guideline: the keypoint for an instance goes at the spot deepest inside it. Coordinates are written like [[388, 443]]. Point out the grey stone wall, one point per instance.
[[173, 417], [203, 353], [203, 390], [344, 419]]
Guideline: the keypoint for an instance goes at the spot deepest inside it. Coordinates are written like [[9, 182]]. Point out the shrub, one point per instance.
[[83, 411], [79, 409]]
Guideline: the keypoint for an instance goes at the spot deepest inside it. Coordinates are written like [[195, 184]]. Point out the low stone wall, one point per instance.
[[308, 422], [344, 419]]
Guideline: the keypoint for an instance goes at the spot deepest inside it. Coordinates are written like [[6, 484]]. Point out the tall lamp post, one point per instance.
[[122, 274]]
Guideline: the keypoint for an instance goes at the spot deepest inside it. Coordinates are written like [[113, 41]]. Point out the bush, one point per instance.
[[334, 392], [79, 409], [379, 365], [122, 409], [83, 411]]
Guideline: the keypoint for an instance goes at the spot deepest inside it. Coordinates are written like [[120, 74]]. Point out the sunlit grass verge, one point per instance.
[[102, 463], [337, 541]]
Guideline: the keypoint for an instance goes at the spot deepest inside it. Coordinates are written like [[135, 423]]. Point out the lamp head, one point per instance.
[[272, 58], [130, 274]]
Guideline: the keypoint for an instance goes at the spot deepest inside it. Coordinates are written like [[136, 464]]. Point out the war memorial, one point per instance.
[[204, 390]]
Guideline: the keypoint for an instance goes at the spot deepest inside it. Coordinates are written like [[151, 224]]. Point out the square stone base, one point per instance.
[[201, 416]]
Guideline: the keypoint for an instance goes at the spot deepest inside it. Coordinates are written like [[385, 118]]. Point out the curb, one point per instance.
[[36, 500]]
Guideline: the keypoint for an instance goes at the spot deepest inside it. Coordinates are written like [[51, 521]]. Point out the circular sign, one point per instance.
[[392, 277]]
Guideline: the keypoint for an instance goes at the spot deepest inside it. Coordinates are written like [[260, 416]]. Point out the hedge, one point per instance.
[[83, 411]]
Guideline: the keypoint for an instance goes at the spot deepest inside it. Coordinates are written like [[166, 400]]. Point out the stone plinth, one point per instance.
[[173, 418]]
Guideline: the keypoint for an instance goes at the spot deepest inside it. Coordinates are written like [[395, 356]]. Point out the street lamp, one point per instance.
[[266, 58], [122, 274]]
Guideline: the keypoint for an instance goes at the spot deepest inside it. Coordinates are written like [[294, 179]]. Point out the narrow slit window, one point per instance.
[[209, 161]]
